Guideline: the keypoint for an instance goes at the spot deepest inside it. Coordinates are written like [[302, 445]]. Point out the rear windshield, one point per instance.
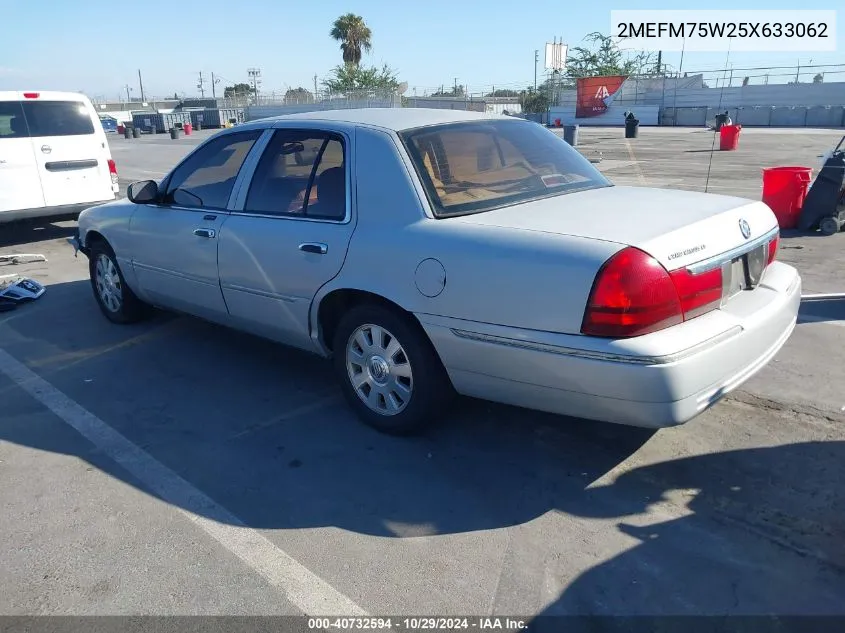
[[482, 165], [57, 118]]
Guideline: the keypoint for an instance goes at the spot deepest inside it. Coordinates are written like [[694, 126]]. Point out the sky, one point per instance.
[[89, 46]]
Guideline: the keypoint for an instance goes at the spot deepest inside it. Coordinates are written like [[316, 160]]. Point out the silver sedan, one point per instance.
[[429, 252]]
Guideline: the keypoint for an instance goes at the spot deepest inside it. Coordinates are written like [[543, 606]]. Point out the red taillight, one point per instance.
[[698, 293], [113, 171], [632, 295], [773, 248], [31, 95]]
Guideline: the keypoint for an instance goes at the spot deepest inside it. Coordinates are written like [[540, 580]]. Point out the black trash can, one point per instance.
[[174, 132], [570, 134], [127, 133], [632, 128], [136, 132]]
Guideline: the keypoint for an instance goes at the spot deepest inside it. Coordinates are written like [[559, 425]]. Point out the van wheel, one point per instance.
[[115, 298], [390, 373]]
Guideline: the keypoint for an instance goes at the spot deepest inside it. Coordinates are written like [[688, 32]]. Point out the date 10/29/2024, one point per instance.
[[418, 624]]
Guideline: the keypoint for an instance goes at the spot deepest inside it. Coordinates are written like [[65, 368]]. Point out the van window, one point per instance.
[[12, 123], [58, 118]]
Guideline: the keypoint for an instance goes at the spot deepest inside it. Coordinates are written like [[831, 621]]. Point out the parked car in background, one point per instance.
[[433, 251], [54, 157], [109, 123]]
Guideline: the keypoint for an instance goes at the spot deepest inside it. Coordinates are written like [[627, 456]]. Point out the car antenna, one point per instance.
[[718, 110]]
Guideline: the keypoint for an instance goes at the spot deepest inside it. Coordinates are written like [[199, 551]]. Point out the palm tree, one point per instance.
[[354, 37]]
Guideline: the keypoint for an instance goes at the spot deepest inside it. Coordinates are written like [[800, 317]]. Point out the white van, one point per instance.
[[54, 156]]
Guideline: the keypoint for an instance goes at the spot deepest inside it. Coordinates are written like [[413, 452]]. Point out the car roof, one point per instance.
[[395, 119]]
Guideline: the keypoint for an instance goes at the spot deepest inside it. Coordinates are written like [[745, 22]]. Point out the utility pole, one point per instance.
[[659, 61], [214, 82], [254, 75], [127, 93], [455, 90], [315, 88], [536, 61], [201, 87], [141, 85]]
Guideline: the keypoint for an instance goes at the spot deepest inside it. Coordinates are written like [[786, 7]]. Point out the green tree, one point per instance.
[[237, 90], [354, 36], [819, 78], [602, 56], [534, 101], [298, 95], [351, 78], [503, 93], [454, 91]]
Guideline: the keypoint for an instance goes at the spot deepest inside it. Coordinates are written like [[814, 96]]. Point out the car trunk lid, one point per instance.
[[677, 228]]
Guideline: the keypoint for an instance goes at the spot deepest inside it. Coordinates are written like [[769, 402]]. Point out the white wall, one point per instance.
[[615, 115]]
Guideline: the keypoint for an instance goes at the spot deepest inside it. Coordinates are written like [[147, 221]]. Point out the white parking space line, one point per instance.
[[300, 586]]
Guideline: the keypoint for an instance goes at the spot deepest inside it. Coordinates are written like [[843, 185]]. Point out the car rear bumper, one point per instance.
[[49, 212], [565, 374]]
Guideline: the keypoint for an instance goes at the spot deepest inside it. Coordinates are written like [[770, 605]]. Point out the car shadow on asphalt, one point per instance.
[[261, 430], [33, 231]]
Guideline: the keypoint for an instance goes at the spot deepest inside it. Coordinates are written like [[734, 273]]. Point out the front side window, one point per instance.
[[301, 173], [470, 167], [58, 118], [12, 123], [206, 178]]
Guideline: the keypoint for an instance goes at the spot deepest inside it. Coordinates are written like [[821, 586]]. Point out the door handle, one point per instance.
[[209, 233], [314, 247]]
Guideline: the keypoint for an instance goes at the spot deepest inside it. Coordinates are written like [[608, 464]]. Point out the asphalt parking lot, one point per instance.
[[176, 467]]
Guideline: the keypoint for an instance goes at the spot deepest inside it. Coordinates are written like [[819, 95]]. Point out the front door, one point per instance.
[[20, 185], [174, 242], [290, 235]]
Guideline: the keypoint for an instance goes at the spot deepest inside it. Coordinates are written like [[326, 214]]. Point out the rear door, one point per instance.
[[288, 234], [20, 186], [70, 149]]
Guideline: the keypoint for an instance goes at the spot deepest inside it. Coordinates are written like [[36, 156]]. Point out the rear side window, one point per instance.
[[58, 118], [302, 172], [12, 123]]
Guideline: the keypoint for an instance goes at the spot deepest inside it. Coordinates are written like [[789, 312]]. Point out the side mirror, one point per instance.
[[143, 192]]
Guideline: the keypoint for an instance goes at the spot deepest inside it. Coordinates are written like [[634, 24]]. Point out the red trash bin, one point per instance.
[[784, 190], [729, 137], [187, 128], [120, 128]]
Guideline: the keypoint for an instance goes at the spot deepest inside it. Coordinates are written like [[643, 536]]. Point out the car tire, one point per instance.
[[397, 384], [116, 300]]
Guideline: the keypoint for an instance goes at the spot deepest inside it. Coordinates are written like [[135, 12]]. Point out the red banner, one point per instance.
[[594, 94]]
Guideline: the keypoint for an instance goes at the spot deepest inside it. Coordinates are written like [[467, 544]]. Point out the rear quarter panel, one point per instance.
[[519, 278]]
